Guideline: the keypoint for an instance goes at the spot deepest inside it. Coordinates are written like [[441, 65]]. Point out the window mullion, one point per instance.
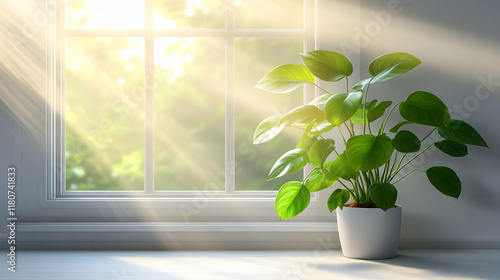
[[149, 109], [230, 115]]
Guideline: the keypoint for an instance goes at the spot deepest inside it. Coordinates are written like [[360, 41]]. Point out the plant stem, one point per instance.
[[345, 142], [386, 169], [382, 124], [305, 178], [319, 134], [399, 169], [364, 109], [350, 132], [407, 175], [354, 195], [321, 88], [428, 135], [352, 128], [393, 165], [399, 164], [347, 84]]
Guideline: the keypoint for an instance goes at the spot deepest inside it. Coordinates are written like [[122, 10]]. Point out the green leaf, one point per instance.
[[391, 65], [384, 195], [327, 65], [398, 126], [452, 148], [319, 179], [290, 162], [321, 128], [342, 168], [303, 115], [320, 151], [358, 116], [425, 108], [369, 105], [341, 107], [292, 198], [406, 142], [367, 151], [372, 114], [285, 78], [445, 180], [461, 132], [338, 198], [361, 84], [321, 99], [378, 111], [267, 129]]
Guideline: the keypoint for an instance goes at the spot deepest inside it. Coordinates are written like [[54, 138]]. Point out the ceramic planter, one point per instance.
[[369, 233]]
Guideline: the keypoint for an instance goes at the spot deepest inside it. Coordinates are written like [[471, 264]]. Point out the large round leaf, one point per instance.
[[341, 107], [338, 198], [290, 162], [384, 195], [303, 114], [342, 168], [320, 151], [461, 132], [391, 65], [267, 129], [367, 151], [406, 142], [445, 180], [285, 78], [425, 108], [452, 148], [292, 198], [319, 179], [327, 65]]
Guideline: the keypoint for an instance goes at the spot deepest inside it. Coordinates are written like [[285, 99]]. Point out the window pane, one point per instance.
[[104, 113], [189, 113], [208, 14], [254, 58], [99, 14], [269, 14]]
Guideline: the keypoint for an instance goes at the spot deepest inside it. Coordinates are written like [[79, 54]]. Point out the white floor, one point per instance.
[[288, 265]]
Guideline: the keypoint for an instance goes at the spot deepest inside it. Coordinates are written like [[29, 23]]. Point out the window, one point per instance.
[[155, 108]]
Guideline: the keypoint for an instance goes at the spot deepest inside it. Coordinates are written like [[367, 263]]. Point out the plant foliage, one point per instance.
[[369, 167]]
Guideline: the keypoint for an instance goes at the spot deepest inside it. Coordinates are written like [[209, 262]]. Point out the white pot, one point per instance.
[[369, 233]]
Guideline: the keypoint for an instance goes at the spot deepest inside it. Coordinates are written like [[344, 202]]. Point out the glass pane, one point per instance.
[[99, 14], [189, 113], [269, 14], [207, 14], [104, 114], [254, 58]]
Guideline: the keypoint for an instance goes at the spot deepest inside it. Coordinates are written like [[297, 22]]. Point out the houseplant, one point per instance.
[[369, 167]]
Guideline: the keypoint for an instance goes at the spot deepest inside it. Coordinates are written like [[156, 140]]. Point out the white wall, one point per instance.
[[458, 43]]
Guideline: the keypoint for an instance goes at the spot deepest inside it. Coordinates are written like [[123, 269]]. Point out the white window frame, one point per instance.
[[49, 204]]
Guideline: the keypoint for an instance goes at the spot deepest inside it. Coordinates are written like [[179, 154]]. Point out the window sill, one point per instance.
[[177, 236]]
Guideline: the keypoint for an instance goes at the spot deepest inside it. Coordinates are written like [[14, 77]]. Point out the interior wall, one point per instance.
[[458, 44]]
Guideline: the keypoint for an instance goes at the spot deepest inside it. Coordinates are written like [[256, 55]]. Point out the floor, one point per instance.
[[287, 265]]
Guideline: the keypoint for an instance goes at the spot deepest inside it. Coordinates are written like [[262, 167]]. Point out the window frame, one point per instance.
[[248, 206]]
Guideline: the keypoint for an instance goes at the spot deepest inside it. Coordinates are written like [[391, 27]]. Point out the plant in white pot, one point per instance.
[[369, 167]]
